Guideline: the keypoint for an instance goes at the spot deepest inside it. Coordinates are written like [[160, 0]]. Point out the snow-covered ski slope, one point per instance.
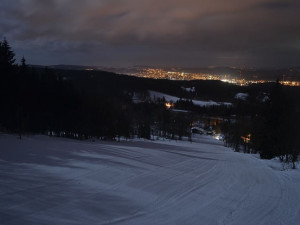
[[47, 180]]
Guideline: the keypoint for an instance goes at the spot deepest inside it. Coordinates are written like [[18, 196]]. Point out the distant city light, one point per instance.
[[172, 74]]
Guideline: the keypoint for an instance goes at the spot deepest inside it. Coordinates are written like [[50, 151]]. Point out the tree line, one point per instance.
[[79, 104], [97, 104], [268, 125]]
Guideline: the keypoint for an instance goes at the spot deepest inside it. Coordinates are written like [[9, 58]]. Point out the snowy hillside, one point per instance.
[[242, 96], [169, 98], [47, 180]]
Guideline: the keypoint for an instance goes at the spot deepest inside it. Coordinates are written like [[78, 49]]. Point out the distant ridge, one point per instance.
[[292, 73]]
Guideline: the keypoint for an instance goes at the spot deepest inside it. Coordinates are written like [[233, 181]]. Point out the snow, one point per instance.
[[136, 98], [46, 180], [265, 98], [242, 96], [170, 98], [180, 110], [189, 89]]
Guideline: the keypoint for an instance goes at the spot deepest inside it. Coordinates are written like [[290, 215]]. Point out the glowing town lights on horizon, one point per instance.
[[156, 73]]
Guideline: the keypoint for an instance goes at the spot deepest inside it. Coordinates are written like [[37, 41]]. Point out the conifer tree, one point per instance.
[[7, 56], [23, 63]]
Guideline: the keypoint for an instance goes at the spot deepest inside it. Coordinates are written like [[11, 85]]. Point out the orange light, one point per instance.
[[169, 105], [247, 139]]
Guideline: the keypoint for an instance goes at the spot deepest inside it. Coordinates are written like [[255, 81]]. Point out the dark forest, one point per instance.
[[96, 104]]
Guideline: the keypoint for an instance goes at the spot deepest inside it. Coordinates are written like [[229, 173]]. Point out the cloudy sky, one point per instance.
[[260, 33]]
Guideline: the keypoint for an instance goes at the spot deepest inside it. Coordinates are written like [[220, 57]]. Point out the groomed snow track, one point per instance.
[[47, 180]]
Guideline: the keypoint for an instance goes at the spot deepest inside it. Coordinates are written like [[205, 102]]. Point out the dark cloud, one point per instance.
[[277, 5], [156, 32]]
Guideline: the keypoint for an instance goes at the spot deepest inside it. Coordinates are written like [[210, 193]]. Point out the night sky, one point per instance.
[[183, 33]]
